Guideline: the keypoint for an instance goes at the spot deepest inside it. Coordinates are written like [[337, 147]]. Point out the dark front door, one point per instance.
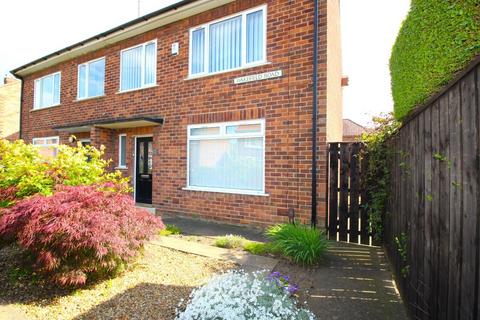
[[143, 190]]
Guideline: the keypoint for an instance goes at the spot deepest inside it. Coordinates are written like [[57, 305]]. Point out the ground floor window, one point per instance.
[[47, 146], [227, 157]]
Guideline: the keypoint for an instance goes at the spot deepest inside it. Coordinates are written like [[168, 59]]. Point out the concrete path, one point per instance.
[[246, 261], [200, 227], [353, 282]]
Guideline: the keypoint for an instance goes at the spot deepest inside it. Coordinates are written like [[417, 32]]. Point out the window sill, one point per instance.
[[121, 168], [193, 77], [44, 108], [229, 191], [89, 98], [137, 89]]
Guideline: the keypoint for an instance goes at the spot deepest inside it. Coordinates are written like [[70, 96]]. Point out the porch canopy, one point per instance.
[[118, 123]]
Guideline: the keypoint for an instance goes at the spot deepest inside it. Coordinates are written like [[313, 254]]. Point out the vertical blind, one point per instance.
[[225, 45], [91, 79], [138, 67], [47, 91], [223, 48]]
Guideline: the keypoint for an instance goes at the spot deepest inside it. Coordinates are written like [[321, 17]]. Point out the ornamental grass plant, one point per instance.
[[303, 244]]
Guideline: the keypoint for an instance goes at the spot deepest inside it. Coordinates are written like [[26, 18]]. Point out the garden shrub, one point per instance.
[[377, 177], [170, 229], [303, 244], [79, 232], [248, 296], [258, 248], [436, 40], [230, 241], [22, 167]]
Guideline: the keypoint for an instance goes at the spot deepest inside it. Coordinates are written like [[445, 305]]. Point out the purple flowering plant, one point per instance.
[[283, 282]]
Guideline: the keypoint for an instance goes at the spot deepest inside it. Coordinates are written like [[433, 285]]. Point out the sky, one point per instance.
[[31, 29]]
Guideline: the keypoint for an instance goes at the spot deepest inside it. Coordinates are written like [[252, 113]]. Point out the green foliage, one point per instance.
[[170, 229], [259, 248], [230, 241], [303, 244], [437, 39], [401, 244], [377, 179], [22, 167]]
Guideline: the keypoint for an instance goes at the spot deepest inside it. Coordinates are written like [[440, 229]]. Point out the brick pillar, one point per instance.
[[104, 137]]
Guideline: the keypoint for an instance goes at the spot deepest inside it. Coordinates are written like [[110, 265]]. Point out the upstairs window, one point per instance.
[[47, 91], [47, 146], [228, 44], [138, 66], [91, 79]]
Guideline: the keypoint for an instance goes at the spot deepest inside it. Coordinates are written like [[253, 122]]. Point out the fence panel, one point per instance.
[[433, 210]]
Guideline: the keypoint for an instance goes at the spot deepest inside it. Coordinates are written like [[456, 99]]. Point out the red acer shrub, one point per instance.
[[79, 231]]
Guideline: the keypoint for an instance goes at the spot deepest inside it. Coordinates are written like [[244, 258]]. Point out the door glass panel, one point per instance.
[[141, 158], [150, 157]]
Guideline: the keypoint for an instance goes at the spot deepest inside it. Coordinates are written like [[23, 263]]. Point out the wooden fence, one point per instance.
[[347, 217], [431, 231]]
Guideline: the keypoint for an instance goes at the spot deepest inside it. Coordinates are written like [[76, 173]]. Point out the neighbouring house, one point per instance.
[[207, 105], [352, 131], [10, 108]]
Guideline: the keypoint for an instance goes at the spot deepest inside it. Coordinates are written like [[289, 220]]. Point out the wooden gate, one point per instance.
[[347, 215]]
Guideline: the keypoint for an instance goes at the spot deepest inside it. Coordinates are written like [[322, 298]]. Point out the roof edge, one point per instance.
[[117, 31]]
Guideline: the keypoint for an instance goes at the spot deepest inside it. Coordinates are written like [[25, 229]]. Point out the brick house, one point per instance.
[[10, 108], [206, 104], [352, 131]]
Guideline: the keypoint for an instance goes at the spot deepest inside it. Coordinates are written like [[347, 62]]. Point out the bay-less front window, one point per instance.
[[227, 157], [234, 42], [47, 91], [91, 79], [138, 66], [47, 146]]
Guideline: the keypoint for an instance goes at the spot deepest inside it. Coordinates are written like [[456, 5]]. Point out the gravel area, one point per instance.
[[150, 289]]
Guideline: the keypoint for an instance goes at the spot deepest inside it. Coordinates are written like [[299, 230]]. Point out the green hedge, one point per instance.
[[437, 39]]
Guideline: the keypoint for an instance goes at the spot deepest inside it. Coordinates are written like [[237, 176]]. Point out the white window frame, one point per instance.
[[45, 145], [143, 85], [244, 63], [35, 98], [223, 135], [120, 165], [87, 64]]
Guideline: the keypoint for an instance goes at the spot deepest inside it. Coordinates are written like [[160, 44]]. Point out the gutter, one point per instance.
[[314, 115]]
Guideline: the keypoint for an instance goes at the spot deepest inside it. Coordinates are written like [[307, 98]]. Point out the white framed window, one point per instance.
[[47, 91], [230, 43], [227, 157], [122, 151], [48, 146], [138, 66], [91, 79]]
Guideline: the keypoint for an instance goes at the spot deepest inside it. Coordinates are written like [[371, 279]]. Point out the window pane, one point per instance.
[[244, 128], [198, 51], [123, 151], [131, 73], [255, 40], [47, 91], [141, 158], [225, 44], [204, 131], [56, 89], [96, 78], [38, 94], [150, 157], [227, 163], [82, 75], [150, 58]]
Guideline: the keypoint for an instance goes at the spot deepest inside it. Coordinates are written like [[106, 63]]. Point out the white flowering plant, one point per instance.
[[237, 295]]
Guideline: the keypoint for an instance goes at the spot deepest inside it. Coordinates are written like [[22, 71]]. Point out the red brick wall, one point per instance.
[[285, 103]]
